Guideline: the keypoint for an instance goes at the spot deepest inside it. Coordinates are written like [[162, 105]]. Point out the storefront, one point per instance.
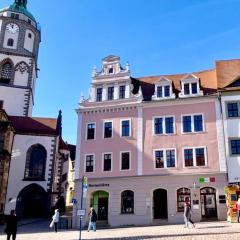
[[156, 199]]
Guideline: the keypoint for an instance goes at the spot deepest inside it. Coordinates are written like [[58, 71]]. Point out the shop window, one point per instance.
[[127, 202], [183, 195]]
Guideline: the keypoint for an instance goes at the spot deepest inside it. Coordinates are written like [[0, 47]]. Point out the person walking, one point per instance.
[[11, 225], [238, 208], [187, 215], [55, 220], [92, 219]]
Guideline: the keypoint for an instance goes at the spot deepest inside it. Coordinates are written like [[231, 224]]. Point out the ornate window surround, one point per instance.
[[162, 82]]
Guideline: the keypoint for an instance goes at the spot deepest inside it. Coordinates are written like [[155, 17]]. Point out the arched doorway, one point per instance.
[[208, 202], [160, 206], [32, 202], [99, 201]]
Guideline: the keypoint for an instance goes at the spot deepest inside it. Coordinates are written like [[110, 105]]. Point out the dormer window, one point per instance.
[[190, 87], [14, 15], [163, 89]]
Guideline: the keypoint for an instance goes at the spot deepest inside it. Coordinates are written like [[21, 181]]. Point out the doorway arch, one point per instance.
[[160, 204], [32, 202], [100, 201]]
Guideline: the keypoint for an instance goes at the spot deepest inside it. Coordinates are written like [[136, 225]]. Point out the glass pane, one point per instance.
[[194, 88], [188, 157], [232, 109], [169, 121], [170, 158], [159, 91], [158, 125], [167, 91], [186, 89], [187, 124], [200, 157], [125, 128], [235, 146], [159, 159], [198, 123]]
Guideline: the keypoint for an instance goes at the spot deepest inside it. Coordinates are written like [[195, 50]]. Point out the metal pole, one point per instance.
[[81, 204]]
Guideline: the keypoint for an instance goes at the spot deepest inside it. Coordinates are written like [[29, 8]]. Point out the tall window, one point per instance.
[[186, 89], [166, 91], [235, 146], [195, 157], [183, 195], [159, 92], [165, 158], [36, 162], [126, 128], [194, 88], [233, 109], [10, 42], [158, 125], [125, 161], [169, 125], [110, 93], [192, 123], [99, 94], [107, 162], [122, 92], [108, 130], [91, 131], [127, 202], [164, 125], [89, 163], [6, 73]]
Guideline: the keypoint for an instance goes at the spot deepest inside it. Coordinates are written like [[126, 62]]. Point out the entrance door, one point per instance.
[[160, 204], [208, 202], [99, 202]]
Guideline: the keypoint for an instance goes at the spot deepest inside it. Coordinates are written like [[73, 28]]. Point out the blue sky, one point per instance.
[[155, 36]]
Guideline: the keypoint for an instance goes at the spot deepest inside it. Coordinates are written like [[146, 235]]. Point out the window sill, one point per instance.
[[195, 167], [164, 134], [193, 133], [34, 179], [127, 213]]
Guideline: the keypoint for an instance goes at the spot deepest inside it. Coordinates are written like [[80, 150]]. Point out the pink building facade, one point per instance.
[[149, 144]]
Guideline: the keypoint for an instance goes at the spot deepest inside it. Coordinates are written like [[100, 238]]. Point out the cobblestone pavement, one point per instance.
[[207, 230]]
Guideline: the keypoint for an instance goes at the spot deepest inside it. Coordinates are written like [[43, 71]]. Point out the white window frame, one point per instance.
[[130, 127], [164, 158], [162, 82], [164, 126], [86, 134], [189, 79], [105, 121], [194, 157], [192, 123], [85, 160], [130, 164], [103, 161]]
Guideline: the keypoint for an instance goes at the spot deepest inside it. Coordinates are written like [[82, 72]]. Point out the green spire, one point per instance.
[[21, 3]]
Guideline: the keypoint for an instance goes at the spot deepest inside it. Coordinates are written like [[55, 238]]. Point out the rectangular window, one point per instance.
[[235, 146], [166, 91], [89, 163], [122, 92], [159, 162], [194, 88], [232, 109], [107, 129], [91, 131], [200, 156], [107, 162], [169, 125], [125, 161], [158, 126], [198, 123], [159, 92], [186, 89], [188, 157], [110, 93], [1, 104], [125, 128], [187, 124], [99, 94], [170, 155]]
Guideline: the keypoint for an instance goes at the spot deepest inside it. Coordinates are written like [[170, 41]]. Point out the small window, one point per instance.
[[10, 42], [29, 21], [110, 93], [127, 202], [159, 92], [91, 131], [158, 125], [107, 162], [159, 162], [166, 91], [235, 146], [99, 94], [186, 89], [125, 128], [89, 163], [122, 92], [125, 161], [183, 195], [110, 71], [232, 109], [14, 16], [29, 35], [108, 129]]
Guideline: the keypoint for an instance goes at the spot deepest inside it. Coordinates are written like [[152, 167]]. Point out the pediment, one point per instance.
[[189, 77], [163, 80]]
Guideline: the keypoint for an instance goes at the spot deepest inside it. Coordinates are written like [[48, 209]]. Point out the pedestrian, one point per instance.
[[55, 220], [92, 219], [238, 208], [11, 225], [187, 214]]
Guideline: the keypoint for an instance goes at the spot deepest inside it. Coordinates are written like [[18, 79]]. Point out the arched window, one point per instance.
[[127, 202], [36, 162], [183, 195], [10, 42], [6, 73]]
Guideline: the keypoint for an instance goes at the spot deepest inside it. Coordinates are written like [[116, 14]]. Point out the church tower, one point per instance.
[[20, 36]]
